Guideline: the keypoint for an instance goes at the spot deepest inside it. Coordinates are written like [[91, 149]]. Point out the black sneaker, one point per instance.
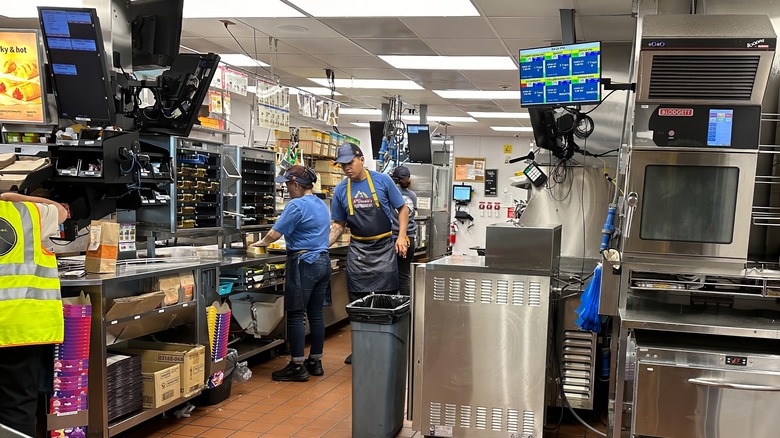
[[348, 360], [314, 366], [293, 372]]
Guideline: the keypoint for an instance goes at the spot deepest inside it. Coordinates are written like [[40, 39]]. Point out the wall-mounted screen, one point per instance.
[[561, 75], [461, 193], [719, 127]]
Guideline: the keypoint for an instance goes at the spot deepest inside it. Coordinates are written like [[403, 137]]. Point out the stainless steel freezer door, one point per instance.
[[484, 353], [675, 401]]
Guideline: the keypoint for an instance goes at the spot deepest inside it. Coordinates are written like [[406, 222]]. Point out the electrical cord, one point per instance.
[[227, 28], [599, 104]]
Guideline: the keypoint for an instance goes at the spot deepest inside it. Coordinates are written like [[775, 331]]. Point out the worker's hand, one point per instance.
[[259, 244], [401, 246]]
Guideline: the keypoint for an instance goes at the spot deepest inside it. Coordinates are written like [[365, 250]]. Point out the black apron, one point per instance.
[[371, 258], [293, 284]]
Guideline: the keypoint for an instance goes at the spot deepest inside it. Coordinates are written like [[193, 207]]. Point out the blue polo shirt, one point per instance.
[[386, 192], [305, 224]]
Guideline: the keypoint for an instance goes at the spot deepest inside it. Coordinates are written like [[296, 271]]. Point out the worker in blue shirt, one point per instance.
[[305, 225], [365, 201], [402, 177]]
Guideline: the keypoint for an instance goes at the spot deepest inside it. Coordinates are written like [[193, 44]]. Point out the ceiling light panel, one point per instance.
[[29, 9], [319, 91], [499, 115], [433, 119], [361, 124], [238, 9], [361, 111], [478, 94], [400, 8], [374, 84], [412, 62], [512, 129], [240, 60]]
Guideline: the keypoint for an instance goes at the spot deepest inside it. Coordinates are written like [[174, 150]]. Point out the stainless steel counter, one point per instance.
[[135, 271]]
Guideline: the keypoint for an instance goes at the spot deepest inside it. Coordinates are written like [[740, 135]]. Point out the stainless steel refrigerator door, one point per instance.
[[483, 354], [675, 402]]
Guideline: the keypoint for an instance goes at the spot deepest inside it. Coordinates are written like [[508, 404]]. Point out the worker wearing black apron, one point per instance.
[[364, 202]]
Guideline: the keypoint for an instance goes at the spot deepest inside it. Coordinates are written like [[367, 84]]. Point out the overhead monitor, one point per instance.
[[74, 48], [419, 143], [461, 193], [561, 75], [377, 129], [156, 32]]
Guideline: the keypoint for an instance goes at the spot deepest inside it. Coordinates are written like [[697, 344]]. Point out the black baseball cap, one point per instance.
[[348, 152], [400, 172], [298, 173]]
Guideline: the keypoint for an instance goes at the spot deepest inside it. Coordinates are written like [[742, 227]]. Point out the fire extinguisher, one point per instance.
[[453, 231]]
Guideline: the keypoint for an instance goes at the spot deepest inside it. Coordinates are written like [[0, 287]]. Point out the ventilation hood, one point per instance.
[[705, 59]]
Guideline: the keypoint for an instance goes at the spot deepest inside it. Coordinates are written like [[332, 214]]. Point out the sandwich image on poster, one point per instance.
[[21, 97]]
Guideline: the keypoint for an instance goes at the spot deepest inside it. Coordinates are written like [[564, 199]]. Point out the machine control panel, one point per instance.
[[736, 361]]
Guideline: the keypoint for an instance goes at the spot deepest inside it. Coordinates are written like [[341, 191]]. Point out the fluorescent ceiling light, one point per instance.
[[512, 129], [361, 124], [240, 60], [431, 119], [478, 94], [415, 62], [374, 84], [238, 9], [400, 8], [320, 91], [28, 9], [499, 115], [361, 111]]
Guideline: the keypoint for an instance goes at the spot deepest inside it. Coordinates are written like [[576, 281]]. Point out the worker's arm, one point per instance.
[[62, 214], [269, 238], [336, 230], [401, 244]]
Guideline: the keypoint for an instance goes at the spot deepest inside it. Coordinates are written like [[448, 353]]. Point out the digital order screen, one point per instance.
[[561, 75], [461, 193], [719, 127]]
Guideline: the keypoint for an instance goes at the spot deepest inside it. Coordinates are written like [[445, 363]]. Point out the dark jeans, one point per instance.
[[404, 269], [20, 375], [314, 281]]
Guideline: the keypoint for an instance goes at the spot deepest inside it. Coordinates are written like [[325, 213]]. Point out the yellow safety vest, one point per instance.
[[30, 300]]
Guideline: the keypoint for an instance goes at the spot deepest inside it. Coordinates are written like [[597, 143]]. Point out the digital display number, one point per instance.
[[738, 361]]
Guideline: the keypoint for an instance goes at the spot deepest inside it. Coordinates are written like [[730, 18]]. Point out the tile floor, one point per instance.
[[261, 407]]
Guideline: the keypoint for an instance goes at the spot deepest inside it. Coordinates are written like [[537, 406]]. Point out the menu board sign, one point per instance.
[[21, 96], [273, 106]]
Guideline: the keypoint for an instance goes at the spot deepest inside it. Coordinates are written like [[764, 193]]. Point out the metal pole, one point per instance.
[[423, 114], [568, 30]]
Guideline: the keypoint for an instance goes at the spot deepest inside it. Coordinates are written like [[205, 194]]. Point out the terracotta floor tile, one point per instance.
[[275, 435], [223, 413], [248, 415], [324, 423], [337, 434], [343, 425], [335, 414], [310, 432], [190, 430], [245, 434], [286, 429], [233, 424], [207, 421], [274, 418], [215, 432], [258, 426], [405, 432]]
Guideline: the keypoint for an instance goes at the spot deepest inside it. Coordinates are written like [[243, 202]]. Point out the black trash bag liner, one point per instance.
[[379, 309]]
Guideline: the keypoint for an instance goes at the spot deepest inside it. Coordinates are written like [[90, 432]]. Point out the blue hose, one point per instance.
[[588, 310], [609, 228]]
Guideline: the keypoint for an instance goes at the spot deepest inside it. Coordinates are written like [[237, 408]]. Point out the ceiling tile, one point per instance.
[[373, 73], [344, 62], [603, 7], [612, 28], [290, 27], [450, 27], [478, 105], [439, 79], [467, 47], [312, 72], [399, 46], [258, 45], [507, 77], [510, 106], [509, 8], [516, 44], [212, 27], [325, 46], [370, 27], [544, 28], [298, 60], [204, 46]]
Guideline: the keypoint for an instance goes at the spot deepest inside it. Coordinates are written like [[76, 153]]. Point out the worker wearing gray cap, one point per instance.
[[365, 201]]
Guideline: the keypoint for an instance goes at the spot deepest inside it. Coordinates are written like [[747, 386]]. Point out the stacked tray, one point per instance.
[[125, 387], [71, 362]]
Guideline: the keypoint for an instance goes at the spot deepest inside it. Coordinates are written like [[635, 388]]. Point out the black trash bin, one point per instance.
[[380, 332]]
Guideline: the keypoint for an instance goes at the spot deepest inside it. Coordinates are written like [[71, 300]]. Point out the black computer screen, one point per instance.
[[74, 49], [419, 138]]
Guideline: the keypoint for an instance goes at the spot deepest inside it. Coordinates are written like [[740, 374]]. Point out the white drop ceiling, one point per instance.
[[309, 44]]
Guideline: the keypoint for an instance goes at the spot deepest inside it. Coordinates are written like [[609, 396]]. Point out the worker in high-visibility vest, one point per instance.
[[31, 316]]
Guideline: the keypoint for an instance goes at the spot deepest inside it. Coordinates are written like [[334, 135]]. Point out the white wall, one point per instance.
[[492, 149]]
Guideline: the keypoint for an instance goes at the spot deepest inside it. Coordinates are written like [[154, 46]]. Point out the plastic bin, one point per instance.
[[380, 332], [257, 313], [218, 394]]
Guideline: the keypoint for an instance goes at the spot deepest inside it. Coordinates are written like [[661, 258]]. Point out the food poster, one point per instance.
[[215, 102], [273, 106], [21, 97], [236, 82], [218, 81], [324, 110]]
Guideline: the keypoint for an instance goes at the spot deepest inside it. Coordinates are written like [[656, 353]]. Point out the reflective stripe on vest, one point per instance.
[[30, 303]]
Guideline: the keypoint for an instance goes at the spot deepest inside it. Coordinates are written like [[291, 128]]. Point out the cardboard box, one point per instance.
[[171, 286], [306, 134], [187, 280], [306, 146], [316, 148], [162, 383], [103, 247], [334, 149], [324, 166], [282, 144], [129, 306], [281, 135], [191, 359]]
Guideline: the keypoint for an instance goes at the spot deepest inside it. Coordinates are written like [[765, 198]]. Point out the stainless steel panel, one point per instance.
[[115, 20], [736, 250], [439, 234], [422, 183], [526, 248], [414, 388], [474, 388], [673, 402]]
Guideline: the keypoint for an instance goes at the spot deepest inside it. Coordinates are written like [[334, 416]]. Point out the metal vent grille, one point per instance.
[[528, 422], [497, 420], [465, 417], [486, 292], [450, 413], [470, 290], [438, 289], [577, 370], [481, 417], [535, 294], [703, 77], [518, 293], [512, 420], [435, 413], [454, 289], [502, 292]]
